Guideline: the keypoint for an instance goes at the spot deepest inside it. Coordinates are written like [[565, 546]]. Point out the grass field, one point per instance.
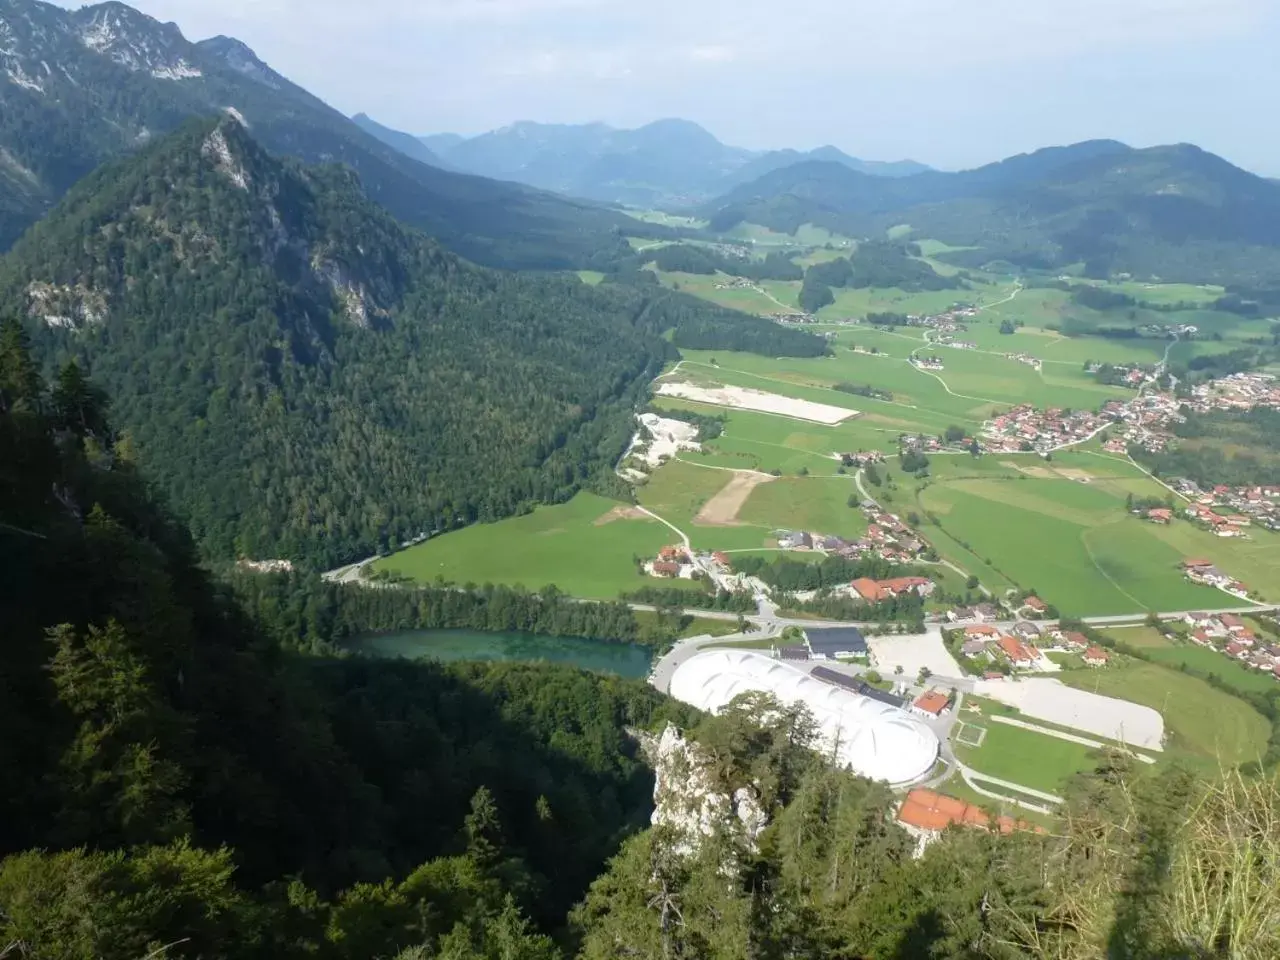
[[1204, 660], [1032, 759], [1201, 722], [806, 503], [565, 545], [1071, 542]]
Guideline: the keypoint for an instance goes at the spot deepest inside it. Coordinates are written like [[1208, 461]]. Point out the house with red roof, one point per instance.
[[931, 704], [1096, 657], [1018, 653]]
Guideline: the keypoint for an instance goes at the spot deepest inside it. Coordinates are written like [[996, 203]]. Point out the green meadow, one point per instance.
[[1073, 543], [570, 545]]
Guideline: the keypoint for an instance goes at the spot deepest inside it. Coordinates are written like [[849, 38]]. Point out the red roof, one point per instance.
[[934, 702], [868, 589], [1016, 650], [662, 567], [1197, 563], [1096, 654], [1035, 603], [981, 630], [928, 810]]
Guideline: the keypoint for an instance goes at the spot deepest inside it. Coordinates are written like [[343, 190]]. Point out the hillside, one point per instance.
[[310, 379], [80, 87], [668, 162], [1172, 212], [165, 759]]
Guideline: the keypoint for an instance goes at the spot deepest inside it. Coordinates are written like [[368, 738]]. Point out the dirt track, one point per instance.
[[722, 509]]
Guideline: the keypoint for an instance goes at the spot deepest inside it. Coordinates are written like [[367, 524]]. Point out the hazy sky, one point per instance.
[[950, 82]]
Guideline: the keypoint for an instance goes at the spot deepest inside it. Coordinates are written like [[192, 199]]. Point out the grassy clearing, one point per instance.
[[562, 545], [592, 278], [1204, 660], [1201, 722], [1032, 759], [806, 503]]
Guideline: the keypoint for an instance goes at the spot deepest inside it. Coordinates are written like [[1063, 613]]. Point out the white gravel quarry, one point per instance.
[[743, 398]]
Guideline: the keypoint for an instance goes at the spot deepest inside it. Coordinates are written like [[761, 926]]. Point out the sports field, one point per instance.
[[583, 547], [1032, 759], [1201, 722]]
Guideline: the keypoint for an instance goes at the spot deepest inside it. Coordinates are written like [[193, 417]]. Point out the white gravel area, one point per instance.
[[911, 653], [667, 438], [1054, 701], [743, 398]]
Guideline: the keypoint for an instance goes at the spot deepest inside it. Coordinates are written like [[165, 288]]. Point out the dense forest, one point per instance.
[[685, 258], [307, 378], [184, 780]]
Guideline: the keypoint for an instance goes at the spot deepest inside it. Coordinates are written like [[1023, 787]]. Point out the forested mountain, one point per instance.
[[1172, 212], [177, 785], [407, 144], [308, 378], [80, 87], [663, 163]]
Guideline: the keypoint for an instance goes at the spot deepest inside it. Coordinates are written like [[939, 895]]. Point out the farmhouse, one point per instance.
[[1096, 657], [875, 591], [981, 631], [1035, 604], [666, 568], [1160, 515], [1074, 640]]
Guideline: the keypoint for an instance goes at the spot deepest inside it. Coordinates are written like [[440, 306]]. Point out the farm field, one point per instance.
[[1071, 542], [807, 503], [1201, 722], [569, 545]]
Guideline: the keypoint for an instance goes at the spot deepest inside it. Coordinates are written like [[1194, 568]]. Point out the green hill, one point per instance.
[[1173, 212], [308, 378]]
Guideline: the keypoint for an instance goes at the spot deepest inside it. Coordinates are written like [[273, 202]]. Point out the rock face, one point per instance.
[[693, 805]]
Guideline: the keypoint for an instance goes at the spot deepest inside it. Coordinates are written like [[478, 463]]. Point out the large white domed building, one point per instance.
[[873, 739]]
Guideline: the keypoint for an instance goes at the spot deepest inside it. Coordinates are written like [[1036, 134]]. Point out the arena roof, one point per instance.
[[874, 739]]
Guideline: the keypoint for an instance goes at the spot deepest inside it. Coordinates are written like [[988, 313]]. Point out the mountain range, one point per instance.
[[81, 87], [1175, 212], [309, 378], [666, 163]]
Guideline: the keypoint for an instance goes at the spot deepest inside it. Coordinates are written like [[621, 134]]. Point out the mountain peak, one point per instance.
[[135, 41], [239, 56]]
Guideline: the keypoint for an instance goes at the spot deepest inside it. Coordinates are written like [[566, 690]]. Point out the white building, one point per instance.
[[875, 740]]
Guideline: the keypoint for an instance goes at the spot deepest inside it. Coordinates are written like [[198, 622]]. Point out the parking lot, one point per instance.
[[1055, 702]]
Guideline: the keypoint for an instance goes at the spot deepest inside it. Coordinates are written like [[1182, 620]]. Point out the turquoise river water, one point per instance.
[[626, 659]]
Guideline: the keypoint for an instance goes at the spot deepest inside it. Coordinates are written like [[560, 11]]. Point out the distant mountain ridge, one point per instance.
[[668, 162], [80, 87], [1168, 212]]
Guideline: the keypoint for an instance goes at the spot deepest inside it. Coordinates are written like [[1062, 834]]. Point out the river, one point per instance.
[[626, 659]]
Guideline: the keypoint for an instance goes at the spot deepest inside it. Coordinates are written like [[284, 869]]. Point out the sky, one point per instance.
[[952, 83]]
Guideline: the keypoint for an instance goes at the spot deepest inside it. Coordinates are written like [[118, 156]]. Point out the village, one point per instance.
[[1239, 391]]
